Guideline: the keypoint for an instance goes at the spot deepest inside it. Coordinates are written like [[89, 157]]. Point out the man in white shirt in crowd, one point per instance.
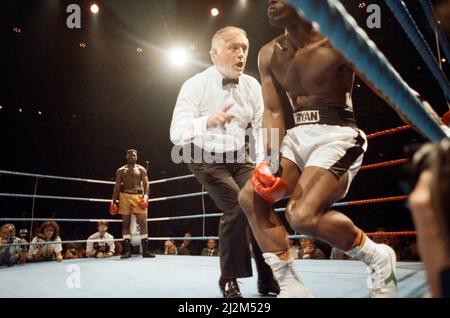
[[100, 249], [210, 120]]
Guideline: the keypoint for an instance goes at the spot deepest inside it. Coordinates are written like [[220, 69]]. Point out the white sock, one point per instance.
[[144, 236], [367, 248]]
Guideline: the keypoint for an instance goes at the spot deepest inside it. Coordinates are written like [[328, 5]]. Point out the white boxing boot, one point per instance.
[[291, 286], [381, 261]]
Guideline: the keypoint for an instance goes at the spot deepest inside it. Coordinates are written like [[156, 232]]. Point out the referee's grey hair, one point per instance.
[[218, 38]]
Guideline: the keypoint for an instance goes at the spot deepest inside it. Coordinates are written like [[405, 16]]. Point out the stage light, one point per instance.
[[214, 12], [94, 8], [178, 57]]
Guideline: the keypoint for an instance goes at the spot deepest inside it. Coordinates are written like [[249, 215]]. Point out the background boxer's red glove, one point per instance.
[[143, 202], [113, 208], [267, 185]]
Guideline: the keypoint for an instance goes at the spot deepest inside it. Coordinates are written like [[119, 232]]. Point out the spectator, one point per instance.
[[184, 247], [71, 252], [430, 206], [294, 248], [211, 249], [81, 252], [12, 255], [170, 248], [48, 232], [102, 249], [308, 250]]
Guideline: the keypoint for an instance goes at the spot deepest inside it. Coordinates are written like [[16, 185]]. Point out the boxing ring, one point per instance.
[[168, 276]]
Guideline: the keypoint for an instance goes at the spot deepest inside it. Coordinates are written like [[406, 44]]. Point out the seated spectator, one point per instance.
[[12, 255], [81, 252], [170, 248], [211, 249], [308, 250], [48, 232], [71, 252], [430, 207], [100, 249], [294, 248], [184, 247]]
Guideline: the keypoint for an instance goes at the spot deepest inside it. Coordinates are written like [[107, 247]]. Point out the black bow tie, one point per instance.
[[227, 81]]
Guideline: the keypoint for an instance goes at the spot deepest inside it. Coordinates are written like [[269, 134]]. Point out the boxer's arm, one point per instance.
[[273, 117], [257, 124], [145, 183], [116, 190]]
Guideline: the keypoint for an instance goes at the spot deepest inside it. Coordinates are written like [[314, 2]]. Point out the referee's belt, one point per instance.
[[326, 115], [132, 191], [222, 157]]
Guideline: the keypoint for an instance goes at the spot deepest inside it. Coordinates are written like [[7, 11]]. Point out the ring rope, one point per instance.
[[59, 220], [180, 196], [445, 119], [27, 196], [400, 233], [353, 42], [433, 21], [388, 132], [182, 238], [410, 27], [18, 195], [60, 242], [44, 176], [51, 197], [199, 216], [384, 164]]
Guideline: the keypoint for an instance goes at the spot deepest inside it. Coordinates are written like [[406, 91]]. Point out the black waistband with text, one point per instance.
[[327, 115]]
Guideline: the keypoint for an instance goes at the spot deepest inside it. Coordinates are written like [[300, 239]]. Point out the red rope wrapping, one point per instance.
[[403, 233], [445, 120], [388, 132], [380, 200], [384, 164]]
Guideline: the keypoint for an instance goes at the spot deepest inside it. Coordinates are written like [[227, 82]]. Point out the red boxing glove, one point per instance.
[[113, 208], [446, 118], [267, 185], [143, 202]]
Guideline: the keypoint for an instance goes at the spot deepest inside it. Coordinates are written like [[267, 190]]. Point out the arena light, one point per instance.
[[95, 8], [214, 12], [178, 57]]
